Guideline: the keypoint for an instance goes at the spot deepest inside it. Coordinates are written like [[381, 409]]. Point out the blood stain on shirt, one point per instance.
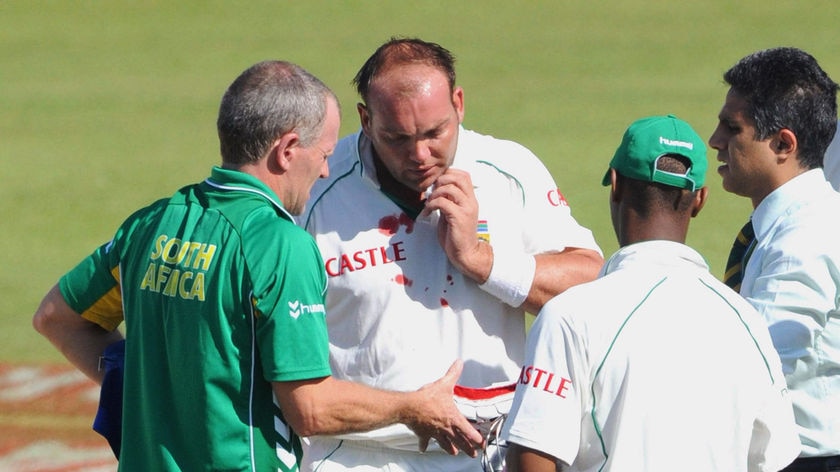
[[389, 225], [443, 302], [403, 280], [407, 222]]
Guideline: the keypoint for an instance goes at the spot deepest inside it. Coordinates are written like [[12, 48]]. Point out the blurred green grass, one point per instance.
[[105, 106]]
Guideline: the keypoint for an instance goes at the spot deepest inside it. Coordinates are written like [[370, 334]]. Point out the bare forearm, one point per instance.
[[331, 406], [523, 459], [554, 273], [79, 340], [557, 272]]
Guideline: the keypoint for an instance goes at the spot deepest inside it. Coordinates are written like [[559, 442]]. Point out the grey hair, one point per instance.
[[266, 101]]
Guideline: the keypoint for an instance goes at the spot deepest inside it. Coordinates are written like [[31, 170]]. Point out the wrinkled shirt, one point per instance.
[[793, 279]]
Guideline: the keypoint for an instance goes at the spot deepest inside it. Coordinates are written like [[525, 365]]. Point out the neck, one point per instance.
[[652, 229], [774, 182], [403, 196]]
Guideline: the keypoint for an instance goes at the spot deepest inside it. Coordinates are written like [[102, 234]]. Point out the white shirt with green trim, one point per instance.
[[655, 366], [398, 312]]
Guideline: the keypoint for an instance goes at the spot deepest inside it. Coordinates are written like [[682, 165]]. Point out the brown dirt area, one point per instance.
[[46, 414]]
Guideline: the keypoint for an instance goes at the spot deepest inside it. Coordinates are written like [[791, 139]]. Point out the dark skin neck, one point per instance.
[[665, 221], [636, 228]]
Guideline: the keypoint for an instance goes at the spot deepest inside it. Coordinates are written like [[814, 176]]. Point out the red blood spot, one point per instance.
[[403, 280], [443, 302], [449, 279], [408, 222], [389, 225]]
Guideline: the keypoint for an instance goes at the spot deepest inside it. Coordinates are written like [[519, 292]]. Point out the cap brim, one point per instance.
[[606, 180]]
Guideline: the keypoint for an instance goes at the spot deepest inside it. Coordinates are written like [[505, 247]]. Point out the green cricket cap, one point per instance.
[[648, 139]]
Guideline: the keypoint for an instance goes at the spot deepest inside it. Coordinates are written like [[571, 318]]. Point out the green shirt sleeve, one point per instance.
[[289, 300], [92, 288]]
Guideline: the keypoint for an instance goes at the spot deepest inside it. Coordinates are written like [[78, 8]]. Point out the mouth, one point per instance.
[[422, 175]]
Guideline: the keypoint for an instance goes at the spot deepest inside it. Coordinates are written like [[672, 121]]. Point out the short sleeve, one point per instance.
[[547, 406], [92, 288], [289, 289]]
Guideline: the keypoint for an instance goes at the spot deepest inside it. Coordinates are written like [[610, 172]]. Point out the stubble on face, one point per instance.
[[412, 121], [746, 162]]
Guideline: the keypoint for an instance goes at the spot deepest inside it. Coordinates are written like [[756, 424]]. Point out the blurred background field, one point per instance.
[[106, 106]]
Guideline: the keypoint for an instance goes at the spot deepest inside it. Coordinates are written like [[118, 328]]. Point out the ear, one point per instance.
[[458, 103], [617, 213], [700, 198], [283, 151], [364, 117], [786, 144], [615, 186]]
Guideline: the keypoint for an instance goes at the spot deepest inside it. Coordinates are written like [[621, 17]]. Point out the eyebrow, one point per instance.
[[399, 132], [727, 115]]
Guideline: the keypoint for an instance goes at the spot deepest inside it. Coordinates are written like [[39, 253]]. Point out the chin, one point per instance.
[[725, 179], [727, 188]]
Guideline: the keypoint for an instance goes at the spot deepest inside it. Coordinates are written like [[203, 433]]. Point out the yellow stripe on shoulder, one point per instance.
[[107, 312]]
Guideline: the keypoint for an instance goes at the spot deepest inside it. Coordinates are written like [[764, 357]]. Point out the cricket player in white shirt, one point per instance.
[[436, 240], [656, 366]]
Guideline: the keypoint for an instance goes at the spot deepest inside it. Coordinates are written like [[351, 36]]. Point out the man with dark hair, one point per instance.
[[656, 366], [778, 118], [436, 240], [222, 294]]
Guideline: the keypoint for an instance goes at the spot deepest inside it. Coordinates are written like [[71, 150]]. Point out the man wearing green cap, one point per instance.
[[656, 365]]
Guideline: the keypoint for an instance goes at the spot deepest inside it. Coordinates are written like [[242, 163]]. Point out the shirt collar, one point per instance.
[[786, 199], [234, 180], [364, 150], [666, 254]]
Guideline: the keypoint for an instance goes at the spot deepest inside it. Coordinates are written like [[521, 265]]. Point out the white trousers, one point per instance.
[[333, 455]]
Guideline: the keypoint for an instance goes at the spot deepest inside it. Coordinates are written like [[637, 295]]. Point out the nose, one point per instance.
[[421, 151], [715, 140]]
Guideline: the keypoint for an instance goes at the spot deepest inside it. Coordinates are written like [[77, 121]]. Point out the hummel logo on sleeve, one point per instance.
[[296, 308]]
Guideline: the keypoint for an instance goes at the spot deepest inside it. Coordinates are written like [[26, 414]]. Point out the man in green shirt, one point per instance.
[[222, 295]]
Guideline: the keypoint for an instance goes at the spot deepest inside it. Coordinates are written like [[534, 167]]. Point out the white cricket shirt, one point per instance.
[[655, 366], [398, 312]]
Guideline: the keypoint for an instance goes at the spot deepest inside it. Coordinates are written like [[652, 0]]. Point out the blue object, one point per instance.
[[108, 420]]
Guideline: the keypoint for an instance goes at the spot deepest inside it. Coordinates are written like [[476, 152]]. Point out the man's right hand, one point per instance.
[[437, 417]]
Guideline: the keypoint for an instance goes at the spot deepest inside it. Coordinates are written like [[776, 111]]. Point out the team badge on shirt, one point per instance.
[[483, 231]]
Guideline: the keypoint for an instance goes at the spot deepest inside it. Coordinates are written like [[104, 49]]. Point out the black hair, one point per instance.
[[785, 88]]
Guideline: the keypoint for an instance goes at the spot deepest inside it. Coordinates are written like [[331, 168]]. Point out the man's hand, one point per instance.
[[437, 417], [454, 197]]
